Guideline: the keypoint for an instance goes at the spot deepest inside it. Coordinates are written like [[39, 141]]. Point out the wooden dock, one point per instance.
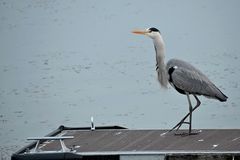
[[119, 143]]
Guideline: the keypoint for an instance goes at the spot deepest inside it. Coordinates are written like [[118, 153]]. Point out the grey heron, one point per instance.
[[182, 76]]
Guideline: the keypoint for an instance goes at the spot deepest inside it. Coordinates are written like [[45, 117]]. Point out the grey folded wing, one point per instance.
[[195, 82]]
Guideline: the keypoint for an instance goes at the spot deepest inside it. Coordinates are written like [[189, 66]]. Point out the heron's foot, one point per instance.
[[177, 127], [186, 133]]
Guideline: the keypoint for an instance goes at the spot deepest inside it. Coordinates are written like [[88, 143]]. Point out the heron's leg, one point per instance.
[[190, 114], [183, 120], [190, 118], [198, 102]]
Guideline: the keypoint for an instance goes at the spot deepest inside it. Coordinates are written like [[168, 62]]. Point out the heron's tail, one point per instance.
[[217, 93], [221, 97]]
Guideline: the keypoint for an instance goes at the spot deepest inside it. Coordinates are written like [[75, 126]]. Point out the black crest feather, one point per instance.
[[153, 29]]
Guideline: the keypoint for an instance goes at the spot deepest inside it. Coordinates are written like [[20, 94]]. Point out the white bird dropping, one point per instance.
[[163, 134]]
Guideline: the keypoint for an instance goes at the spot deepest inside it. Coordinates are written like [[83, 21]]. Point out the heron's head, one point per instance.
[[150, 32]]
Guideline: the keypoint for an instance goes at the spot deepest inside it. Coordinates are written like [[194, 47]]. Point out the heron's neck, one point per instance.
[[161, 68], [160, 51]]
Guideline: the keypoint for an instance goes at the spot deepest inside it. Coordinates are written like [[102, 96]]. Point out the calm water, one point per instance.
[[62, 62]]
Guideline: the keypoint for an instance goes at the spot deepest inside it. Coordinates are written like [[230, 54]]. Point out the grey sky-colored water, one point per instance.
[[62, 62]]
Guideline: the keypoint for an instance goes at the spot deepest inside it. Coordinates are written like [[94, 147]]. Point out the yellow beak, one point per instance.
[[139, 31]]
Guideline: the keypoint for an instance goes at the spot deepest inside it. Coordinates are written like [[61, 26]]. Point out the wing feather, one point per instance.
[[191, 80]]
